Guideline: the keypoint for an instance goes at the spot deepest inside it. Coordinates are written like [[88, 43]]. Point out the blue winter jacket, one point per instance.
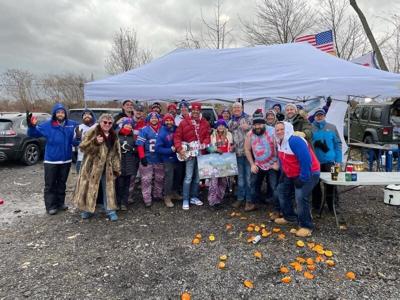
[[328, 134], [59, 138], [165, 141]]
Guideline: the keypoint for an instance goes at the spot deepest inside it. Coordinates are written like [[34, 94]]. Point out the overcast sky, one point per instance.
[[56, 36]]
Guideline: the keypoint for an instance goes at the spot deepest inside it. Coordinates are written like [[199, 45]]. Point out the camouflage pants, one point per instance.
[[152, 180], [216, 191]]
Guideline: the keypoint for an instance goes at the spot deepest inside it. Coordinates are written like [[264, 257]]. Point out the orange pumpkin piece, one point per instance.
[[281, 236], [293, 231], [198, 236], [250, 239], [258, 254], [311, 267], [196, 241], [296, 266], [250, 228], [300, 259], [317, 248], [276, 229], [243, 218], [310, 261], [185, 296], [330, 263], [320, 251], [286, 279], [211, 237], [228, 226], [328, 253], [300, 244], [248, 283], [257, 228], [308, 275], [223, 257], [221, 265], [262, 225], [265, 233], [319, 258], [284, 270], [311, 245], [233, 214], [351, 275]]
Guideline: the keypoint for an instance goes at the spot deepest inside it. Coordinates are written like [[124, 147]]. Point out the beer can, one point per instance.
[[348, 176], [256, 239], [354, 176], [337, 169]]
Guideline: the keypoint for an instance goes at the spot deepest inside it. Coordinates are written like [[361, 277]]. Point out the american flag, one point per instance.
[[322, 41]]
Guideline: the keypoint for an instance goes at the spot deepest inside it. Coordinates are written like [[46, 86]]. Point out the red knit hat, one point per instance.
[[196, 106], [168, 117], [171, 106]]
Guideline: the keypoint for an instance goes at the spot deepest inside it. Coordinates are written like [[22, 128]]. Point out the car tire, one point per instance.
[[31, 154], [368, 139]]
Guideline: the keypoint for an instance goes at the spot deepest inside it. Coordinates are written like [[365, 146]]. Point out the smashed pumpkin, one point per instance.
[[248, 283]]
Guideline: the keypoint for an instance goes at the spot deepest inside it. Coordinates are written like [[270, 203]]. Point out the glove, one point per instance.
[[31, 121], [144, 162], [298, 183], [321, 145]]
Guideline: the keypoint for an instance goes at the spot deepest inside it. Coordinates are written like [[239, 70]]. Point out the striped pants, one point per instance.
[[152, 180]]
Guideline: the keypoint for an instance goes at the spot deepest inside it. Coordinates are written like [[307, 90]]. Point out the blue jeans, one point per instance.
[[302, 198], [78, 166], [244, 179], [191, 181], [272, 182], [104, 189]]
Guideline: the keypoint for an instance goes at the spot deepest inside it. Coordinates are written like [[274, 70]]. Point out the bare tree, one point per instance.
[[370, 35], [20, 85], [215, 33], [67, 88], [391, 46], [279, 21], [126, 53], [349, 36]]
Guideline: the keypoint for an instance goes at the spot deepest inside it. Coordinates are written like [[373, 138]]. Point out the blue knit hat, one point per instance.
[[183, 103], [152, 114], [220, 122]]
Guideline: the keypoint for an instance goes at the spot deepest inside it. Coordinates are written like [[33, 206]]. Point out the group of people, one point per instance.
[[282, 147]]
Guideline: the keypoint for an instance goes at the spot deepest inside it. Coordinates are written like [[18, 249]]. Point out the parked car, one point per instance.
[[375, 123], [14, 142], [76, 113]]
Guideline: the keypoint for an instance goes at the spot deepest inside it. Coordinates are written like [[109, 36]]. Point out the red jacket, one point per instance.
[[186, 132]]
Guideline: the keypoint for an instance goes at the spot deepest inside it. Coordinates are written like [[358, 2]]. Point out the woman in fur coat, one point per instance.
[[100, 166]]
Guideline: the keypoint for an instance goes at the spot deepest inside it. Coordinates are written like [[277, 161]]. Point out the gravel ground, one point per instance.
[[148, 253]]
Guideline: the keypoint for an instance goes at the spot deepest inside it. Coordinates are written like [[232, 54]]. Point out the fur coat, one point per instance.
[[98, 158]]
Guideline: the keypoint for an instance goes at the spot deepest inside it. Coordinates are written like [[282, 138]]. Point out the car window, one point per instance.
[[5, 125], [376, 114], [208, 114], [357, 112], [365, 113], [75, 115], [40, 119]]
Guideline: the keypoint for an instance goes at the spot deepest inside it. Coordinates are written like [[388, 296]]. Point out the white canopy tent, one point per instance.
[[288, 70]]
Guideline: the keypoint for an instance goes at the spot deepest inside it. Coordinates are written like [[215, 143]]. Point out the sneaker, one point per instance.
[[237, 204], [112, 216], [303, 232], [63, 207], [168, 201], [274, 215], [86, 215], [123, 207], [281, 221], [185, 205], [148, 204], [52, 211], [196, 201], [250, 206]]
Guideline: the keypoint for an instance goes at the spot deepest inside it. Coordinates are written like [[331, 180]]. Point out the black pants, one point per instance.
[[55, 183], [171, 171], [122, 189], [317, 192], [179, 176]]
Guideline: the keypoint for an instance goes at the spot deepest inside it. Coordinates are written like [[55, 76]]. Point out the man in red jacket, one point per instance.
[[195, 131]]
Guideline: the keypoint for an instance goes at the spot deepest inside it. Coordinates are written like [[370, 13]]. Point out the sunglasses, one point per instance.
[[107, 123]]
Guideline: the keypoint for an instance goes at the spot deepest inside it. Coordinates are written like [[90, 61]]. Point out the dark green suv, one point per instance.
[[375, 123]]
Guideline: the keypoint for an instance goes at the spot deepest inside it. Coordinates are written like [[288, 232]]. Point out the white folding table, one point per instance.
[[363, 178]]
